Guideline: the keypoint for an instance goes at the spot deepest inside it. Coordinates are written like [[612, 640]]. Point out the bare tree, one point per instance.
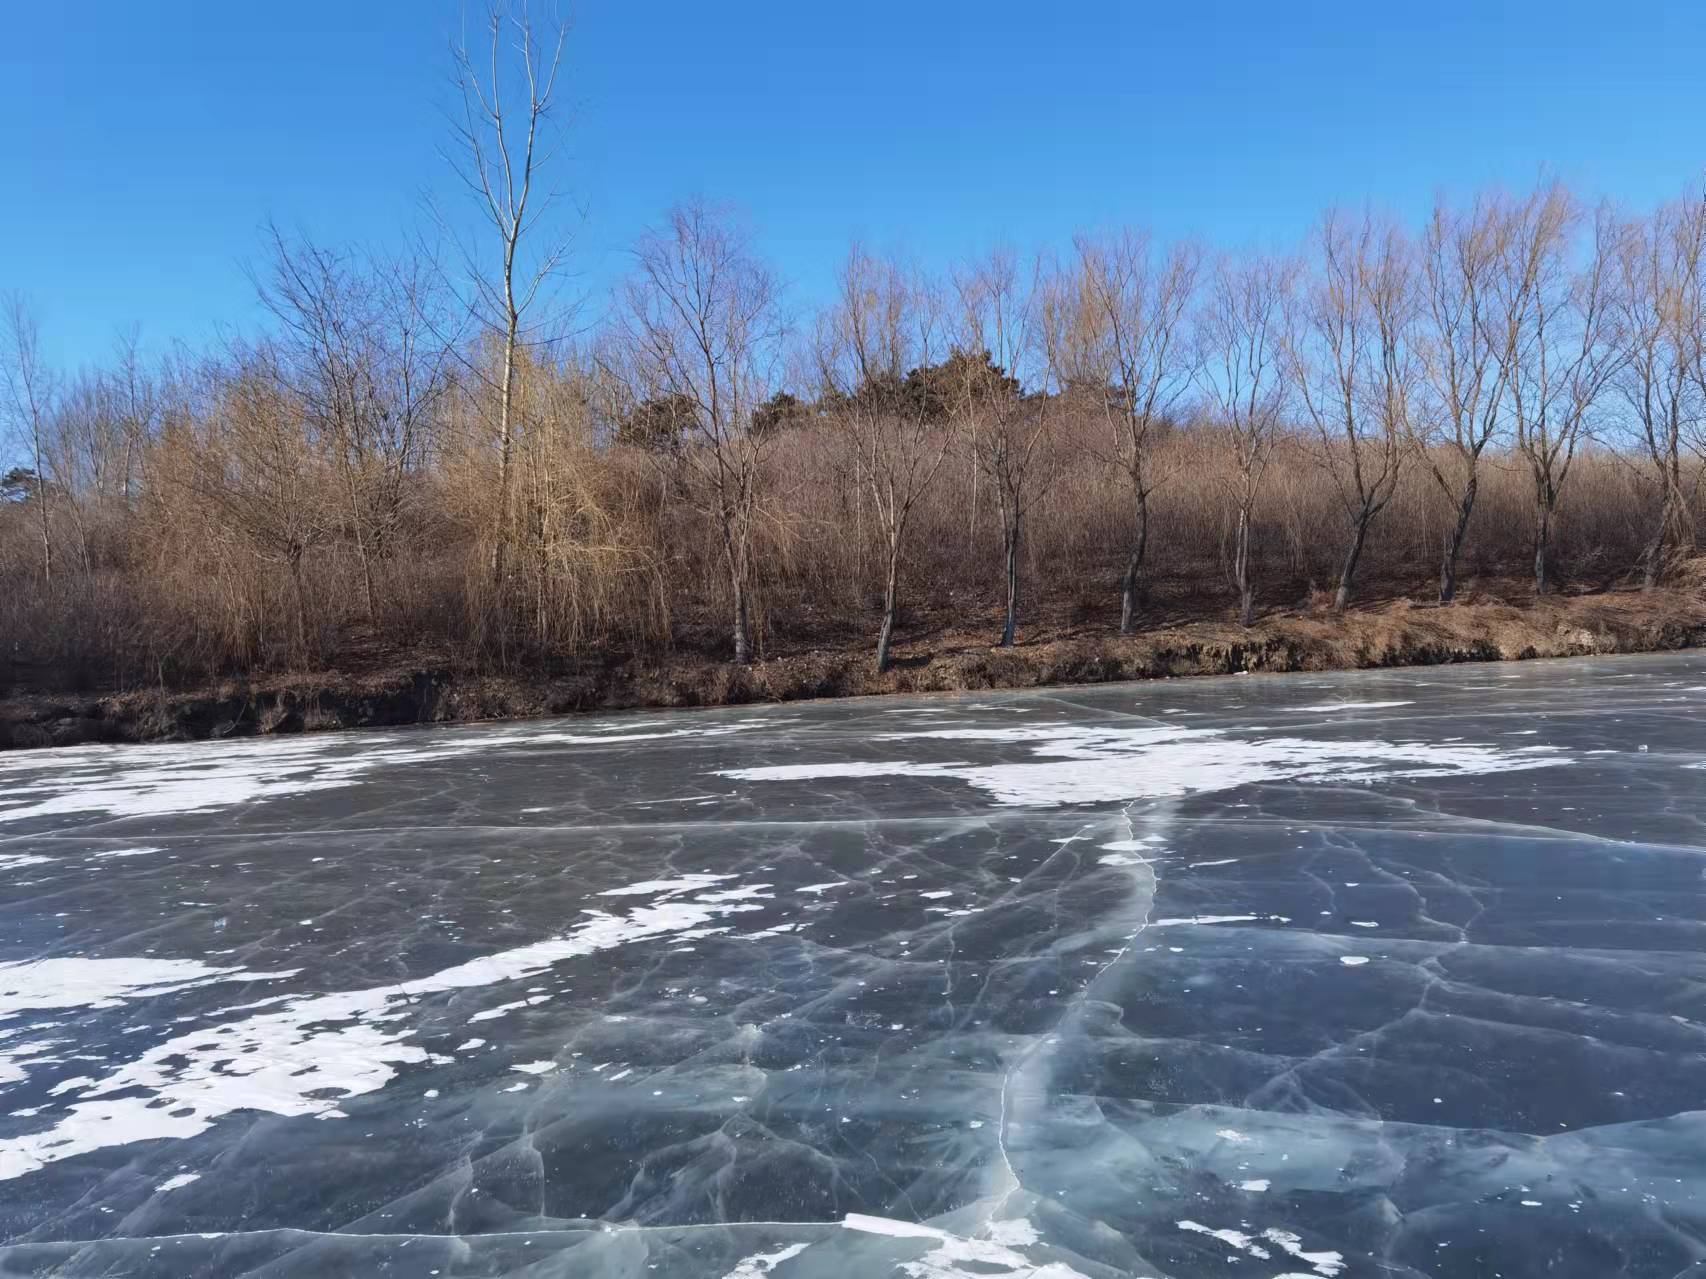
[[1242, 375], [883, 326], [702, 323], [501, 150], [89, 436], [1658, 299], [1008, 432], [1351, 361], [250, 464], [1128, 310], [30, 390], [137, 392], [1467, 344], [362, 356], [586, 571], [1565, 351], [84, 452]]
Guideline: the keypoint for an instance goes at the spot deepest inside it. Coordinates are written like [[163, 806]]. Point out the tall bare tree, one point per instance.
[[30, 389], [1352, 363], [1008, 432], [85, 451], [883, 326], [1129, 309], [701, 315], [1566, 348], [1659, 306], [363, 356], [1241, 370], [502, 147], [1466, 346], [137, 392]]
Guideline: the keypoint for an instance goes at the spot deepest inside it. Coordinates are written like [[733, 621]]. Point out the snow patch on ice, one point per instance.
[[682, 883], [75, 982], [1231, 1238], [491, 1014], [315, 1051], [1076, 765], [17, 861], [1326, 1264], [1218, 919], [1123, 859], [955, 1257], [193, 777], [763, 1263], [1323, 1263], [1324, 707], [1014, 1233]]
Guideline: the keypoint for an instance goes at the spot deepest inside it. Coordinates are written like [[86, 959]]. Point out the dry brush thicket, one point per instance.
[[1113, 435]]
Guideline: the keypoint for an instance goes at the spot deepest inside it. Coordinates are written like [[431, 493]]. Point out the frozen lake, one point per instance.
[[1377, 974]]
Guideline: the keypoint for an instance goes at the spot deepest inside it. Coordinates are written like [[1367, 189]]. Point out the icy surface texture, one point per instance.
[[1360, 975]]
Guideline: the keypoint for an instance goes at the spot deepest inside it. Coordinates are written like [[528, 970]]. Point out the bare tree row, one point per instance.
[[440, 403]]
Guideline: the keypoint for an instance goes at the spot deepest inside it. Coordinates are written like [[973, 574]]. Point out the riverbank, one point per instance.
[[1394, 633]]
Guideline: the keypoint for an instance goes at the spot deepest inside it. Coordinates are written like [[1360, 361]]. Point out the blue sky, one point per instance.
[[146, 143]]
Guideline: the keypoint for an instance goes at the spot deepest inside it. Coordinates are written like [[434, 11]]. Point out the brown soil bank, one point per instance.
[[1398, 633]]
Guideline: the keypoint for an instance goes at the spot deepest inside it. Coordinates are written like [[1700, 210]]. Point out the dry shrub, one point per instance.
[[233, 551]]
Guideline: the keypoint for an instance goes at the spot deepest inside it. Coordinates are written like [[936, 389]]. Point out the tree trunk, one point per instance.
[[1672, 524], [1128, 583], [505, 435], [359, 527], [41, 512], [743, 653], [886, 635], [1454, 542], [1653, 553], [295, 557], [84, 560], [366, 557], [1347, 574], [46, 537], [1241, 570], [1010, 541], [737, 583], [971, 528], [1542, 535], [542, 567]]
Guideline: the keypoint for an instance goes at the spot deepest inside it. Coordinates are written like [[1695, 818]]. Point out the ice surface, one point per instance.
[[300, 1060], [1393, 974]]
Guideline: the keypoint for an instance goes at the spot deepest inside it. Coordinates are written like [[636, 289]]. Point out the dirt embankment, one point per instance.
[[1397, 633]]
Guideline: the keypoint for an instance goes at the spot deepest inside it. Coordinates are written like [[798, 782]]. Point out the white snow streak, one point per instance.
[[193, 777], [1074, 765], [953, 1256], [286, 1062]]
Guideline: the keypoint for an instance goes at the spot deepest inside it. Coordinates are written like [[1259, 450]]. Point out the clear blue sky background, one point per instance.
[[145, 143]]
